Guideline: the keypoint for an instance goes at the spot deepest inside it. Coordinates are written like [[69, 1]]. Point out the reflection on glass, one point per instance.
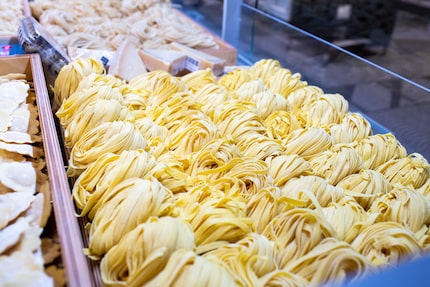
[[381, 67]]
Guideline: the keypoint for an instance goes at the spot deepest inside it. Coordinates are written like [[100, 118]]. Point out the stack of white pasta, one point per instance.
[[105, 24], [11, 12], [252, 179], [25, 201]]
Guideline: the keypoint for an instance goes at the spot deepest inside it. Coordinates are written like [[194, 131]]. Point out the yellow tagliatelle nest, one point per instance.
[[353, 128], [181, 103], [150, 130], [425, 189], [365, 186], [225, 215], [160, 83], [199, 79], [156, 136], [136, 100], [252, 172], [307, 142], [296, 232], [182, 268], [93, 115], [200, 192], [235, 79], [144, 252], [283, 82], [105, 173], [97, 80], [174, 112], [70, 76], [385, 243], [263, 206], [426, 242], [212, 97], [284, 167], [412, 171], [192, 136], [348, 218], [280, 124], [282, 277], [313, 190], [378, 149], [405, 206], [260, 146], [157, 146], [170, 172], [212, 161], [255, 247], [327, 109], [302, 98], [238, 121], [112, 137], [265, 69], [331, 262], [268, 102], [75, 103], [336, 163], [135, 199], [247, 90]]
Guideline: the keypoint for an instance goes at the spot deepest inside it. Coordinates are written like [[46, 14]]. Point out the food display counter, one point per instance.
[[168, 161]]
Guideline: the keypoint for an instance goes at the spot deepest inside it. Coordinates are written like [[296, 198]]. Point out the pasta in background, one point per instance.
[[104, 25]]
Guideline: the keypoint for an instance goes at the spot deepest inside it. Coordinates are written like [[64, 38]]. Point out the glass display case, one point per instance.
[[373, 53]]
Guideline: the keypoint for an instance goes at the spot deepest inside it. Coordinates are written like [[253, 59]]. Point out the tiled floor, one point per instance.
[[391, 103]]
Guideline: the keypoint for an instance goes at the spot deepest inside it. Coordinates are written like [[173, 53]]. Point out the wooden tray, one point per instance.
[[73, 258]]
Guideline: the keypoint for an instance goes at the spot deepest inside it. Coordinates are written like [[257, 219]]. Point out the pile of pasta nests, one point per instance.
[[10, 15], [104, 25], [252, 179]]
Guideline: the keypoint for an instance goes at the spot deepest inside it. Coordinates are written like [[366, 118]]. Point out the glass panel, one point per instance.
[[392, 102], [382, 70]]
